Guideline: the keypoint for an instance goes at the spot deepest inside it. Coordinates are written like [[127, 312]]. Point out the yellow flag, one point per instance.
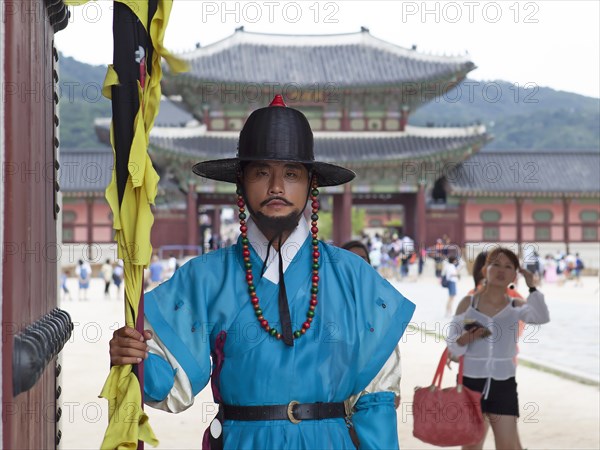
[[132, 222]]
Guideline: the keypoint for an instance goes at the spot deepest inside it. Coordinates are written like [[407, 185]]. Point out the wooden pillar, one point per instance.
[[216, 221], [345, 120], [90, 226], [342, 216], [403, 117], [566, 212], [192, 215], [519, 206], [345, 117], [420, 220], [206, 117], [462, 214], [409, 220]]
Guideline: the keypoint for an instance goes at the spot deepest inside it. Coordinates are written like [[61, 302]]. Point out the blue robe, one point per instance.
[[358, 322]]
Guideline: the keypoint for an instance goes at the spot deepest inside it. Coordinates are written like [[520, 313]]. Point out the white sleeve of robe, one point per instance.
[[388, 379], [180, 397]]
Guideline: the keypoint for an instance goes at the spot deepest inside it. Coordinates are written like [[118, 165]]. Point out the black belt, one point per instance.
[[294, 412]]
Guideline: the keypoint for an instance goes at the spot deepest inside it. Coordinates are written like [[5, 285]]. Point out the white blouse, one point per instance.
[[493, 356]]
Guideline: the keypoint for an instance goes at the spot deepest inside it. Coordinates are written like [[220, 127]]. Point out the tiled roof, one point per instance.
[[543, 173], [172, 114], [353, 59], [349, 147], [85, 170], [90, 171]]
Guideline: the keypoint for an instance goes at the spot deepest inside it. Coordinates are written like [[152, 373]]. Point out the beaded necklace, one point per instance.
[[264, 323]]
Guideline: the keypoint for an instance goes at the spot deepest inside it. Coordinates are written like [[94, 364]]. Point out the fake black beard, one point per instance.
[[277, 224]]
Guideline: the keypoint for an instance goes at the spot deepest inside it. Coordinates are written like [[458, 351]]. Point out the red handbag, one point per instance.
[[450, 416]]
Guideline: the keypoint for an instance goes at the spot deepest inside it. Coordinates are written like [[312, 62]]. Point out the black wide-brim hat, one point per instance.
[[275, 133]]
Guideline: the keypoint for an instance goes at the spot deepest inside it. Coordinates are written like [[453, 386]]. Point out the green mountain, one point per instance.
[[519, 118], [536, 118], [80, 102]]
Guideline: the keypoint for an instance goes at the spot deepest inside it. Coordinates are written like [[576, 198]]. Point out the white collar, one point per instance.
[[290, 247]]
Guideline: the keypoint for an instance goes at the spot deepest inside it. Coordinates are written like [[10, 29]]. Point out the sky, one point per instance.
[[551, 43]]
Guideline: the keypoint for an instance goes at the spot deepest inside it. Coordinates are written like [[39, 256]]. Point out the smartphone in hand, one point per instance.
[[470, 324]]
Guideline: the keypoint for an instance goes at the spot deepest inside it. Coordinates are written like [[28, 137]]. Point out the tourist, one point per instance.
[[483, 331]]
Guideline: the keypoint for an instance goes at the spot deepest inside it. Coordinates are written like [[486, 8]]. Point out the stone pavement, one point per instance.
[[556, 413]]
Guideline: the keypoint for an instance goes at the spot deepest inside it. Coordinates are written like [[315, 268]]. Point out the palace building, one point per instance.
[[358, 93]]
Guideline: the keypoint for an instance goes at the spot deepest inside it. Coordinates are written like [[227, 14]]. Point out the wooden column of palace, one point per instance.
[[192, 215], [403, 118], [519, 205], [345, 126], [462, 213], [410, 217], [342, 216], [566, 213], [420, 228], [216, 221], [89, 204]]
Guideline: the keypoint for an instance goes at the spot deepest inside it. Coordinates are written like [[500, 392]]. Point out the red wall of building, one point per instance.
[[576, 207], [101, 228], [507, 224], [169, 230], [557, 233], [576, 229], [554, 206], [508, 233], [507, 211], [473, 233], [442, 222], [528, 233]]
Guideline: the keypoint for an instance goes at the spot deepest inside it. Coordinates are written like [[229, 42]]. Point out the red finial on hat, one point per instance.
[[278, 101]]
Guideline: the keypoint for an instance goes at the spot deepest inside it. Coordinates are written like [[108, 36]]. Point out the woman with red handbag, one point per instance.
[[485, 330]]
